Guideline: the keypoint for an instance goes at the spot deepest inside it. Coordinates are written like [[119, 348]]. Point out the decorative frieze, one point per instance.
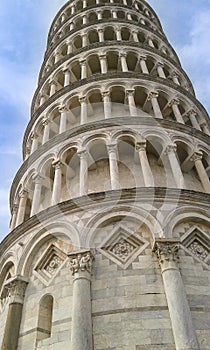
[[81, 261]]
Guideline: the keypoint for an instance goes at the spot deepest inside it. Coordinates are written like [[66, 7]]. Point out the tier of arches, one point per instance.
[[127, 160], [100, 34], [78, 6], [113, 101], [94, 16], [110, 61]]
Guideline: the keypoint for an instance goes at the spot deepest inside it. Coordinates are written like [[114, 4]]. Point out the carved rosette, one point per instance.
[[81, 261], [16, 288], [167, 253]]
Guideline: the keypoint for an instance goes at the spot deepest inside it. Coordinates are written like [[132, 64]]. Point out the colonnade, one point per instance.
[[100, 34], [39, 180], [73, 9], [103, 63], [81, 265]]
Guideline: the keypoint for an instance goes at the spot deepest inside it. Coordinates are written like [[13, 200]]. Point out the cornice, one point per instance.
[[129, 196], [96, 125]]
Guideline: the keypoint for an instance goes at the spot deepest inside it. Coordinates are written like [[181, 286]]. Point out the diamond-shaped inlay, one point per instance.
[[197, 243], [49, 264], [123, 246]]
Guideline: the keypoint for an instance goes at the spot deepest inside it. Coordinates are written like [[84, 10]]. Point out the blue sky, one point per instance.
[[24, 26]]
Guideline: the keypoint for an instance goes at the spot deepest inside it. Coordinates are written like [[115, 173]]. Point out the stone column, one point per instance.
[[142, 21], [180, 315], [114, 14], [150, 42], [125, 2], [43, 99], [84, 3], [34, 145], [118, 34], [71, 26], [56, 193], [155, 105], [129, 17], [205, 128], [14, 216], [57, 57], [107, 104], [23, 195], [197, 159], [81, 332], [83, 69], [53, 86], [131, 102], [175, 78], [83, 112], [63, 119], [135, 36], [174, 105], [145, 166], [103, 63], [72, 9], [84, 19], [46, 133], [113, 166], [101, 35], [69, 47], [143, 65], [99, 14], [83, 172], [160, 70], [193, 118], [123, 62], [175, 167], [67, 77], [16, 287], [84, 39], [63, 17], [38, 179]]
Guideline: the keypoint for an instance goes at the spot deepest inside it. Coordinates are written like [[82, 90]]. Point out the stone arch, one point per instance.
[[103, 216], [62, 230]]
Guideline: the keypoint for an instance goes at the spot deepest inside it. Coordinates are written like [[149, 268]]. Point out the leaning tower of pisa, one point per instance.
[[109, 246]]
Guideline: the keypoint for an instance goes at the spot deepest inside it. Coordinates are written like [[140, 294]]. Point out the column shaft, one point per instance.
[[113, 166], [21, 207], [197, 158], [145, 166], [175, 167], [46, 132], [83, 173], [63, 119], [57, 182], [36, 195]]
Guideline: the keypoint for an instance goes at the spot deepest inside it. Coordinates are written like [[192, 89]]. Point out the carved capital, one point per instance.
[[82, 99], [141, 145], [170, 148], [175, 101], [112, 147], [198, 155], [57, 164], [81, 261], [152, 94], [130, 92], [167, 252], [82, 153], [14, 208], [63, 109], [16, 287], [37, 178], [23, 193], [45, 121], [191, 112], [105, 94]]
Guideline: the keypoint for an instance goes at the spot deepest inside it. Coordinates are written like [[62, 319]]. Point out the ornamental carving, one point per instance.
[[197, 249], [16, 289], [123, 246], [167, 252], [122, 249], [81, 261], [53, 264]]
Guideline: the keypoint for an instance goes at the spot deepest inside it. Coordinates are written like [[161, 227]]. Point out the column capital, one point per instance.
[[82, 99], [33, 135], [16, 287], [65, 70], [142, 57], [37, 178], [112, 147], [14, 208], [53, 82], [159, 64], [141, 145], [153, 94], [81, 261], [191, 112], [167, 250], [122, 54], [174, 101], [102, 55], [82, 62], [100, 30], [23, 193], [45, 121], [197, 155], [130, 91], [82, 153], [62, 109], [57, 164], [170, 148], [105, 93]]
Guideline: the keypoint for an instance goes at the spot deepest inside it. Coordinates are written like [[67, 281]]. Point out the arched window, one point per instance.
[[45, 317]]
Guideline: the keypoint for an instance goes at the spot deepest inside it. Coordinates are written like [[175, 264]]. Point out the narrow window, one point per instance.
[[45, 317]]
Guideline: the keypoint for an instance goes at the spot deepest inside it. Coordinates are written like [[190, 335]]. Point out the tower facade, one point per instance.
[[110, 228]]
